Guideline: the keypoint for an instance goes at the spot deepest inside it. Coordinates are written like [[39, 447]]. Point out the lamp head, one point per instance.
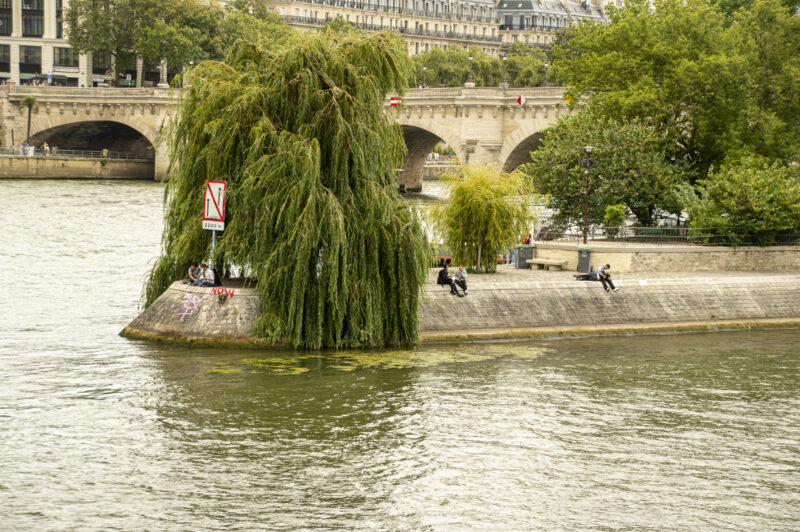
[[588, 150], [470, 58], [424, 68]]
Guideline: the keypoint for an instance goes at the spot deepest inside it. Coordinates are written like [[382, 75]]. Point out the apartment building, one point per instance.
[[535, 22], [424, 24]]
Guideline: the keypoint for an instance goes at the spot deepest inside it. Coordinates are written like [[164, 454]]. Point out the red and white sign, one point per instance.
[[395, 101], [214, 205], [521, 100]]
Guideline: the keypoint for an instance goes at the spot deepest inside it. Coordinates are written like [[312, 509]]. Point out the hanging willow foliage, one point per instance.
[[313, 213], [485, 213]]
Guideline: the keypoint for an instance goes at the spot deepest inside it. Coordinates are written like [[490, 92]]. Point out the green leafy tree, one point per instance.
[[176, 30], [613, 219], [525, 65], [674, 63], [749, 200], [450, 68], [313, 212], [632, 168], [264, 28], [484, 214], [771, 97], [108, 26]]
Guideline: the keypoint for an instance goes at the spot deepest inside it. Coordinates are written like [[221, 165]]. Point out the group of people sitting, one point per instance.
[[460, 280], [601, 275], [202, 276]]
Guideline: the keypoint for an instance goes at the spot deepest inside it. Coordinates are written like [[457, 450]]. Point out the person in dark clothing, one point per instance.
[[446, 279], [601, 275]]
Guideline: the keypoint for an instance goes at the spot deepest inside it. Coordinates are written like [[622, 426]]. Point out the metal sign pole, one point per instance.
[[213, 245]]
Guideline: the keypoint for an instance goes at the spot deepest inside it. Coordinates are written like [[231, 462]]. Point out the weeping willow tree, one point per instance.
[[485, 213], [313, 213]]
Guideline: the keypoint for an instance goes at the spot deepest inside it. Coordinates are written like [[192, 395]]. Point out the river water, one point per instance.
[[97, 432]]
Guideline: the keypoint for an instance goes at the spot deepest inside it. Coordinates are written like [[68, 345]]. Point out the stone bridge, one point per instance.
[[481, 125]]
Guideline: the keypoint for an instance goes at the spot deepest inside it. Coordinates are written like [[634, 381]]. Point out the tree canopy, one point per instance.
[[450, 68], [750, 200], [179, 31], [313, 213], [632, 168], [485, 213], [715, 83]]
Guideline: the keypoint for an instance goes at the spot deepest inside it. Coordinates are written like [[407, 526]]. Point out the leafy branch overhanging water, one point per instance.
[[313, 213]]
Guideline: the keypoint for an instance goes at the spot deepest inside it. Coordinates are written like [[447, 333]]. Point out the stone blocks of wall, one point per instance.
[[193, 313], [68, 168], [211, 315], [679, 258]]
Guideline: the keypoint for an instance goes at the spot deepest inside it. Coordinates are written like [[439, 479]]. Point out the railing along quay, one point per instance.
[[77, 154]]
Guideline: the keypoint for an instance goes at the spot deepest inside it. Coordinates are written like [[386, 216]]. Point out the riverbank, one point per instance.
[[517, 304]]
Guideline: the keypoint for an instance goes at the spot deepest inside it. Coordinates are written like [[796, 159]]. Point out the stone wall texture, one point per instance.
[[492, 310], [679, 258], [68, 168]]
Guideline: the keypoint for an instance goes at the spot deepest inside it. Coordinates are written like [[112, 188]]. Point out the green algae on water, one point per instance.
[[296, 364]]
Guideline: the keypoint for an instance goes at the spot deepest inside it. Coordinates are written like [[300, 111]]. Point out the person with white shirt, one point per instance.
[[206, 276]]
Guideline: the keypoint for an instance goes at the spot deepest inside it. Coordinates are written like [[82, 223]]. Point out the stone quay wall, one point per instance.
[[55, 167], [677, 258], [512, 309]]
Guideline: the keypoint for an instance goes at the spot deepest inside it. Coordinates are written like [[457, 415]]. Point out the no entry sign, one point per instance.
[[214, 205]]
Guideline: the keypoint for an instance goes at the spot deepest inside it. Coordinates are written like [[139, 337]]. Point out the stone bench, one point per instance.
[[550, 264]]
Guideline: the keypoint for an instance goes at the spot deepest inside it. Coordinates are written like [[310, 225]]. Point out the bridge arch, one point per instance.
[[95, 135], [420, 141], [525, 139]]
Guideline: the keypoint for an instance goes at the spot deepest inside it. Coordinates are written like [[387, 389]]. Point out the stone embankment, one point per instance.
[[55, 167], [517, 304]]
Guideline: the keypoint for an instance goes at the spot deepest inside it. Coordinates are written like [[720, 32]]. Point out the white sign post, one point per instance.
[[214, 210]]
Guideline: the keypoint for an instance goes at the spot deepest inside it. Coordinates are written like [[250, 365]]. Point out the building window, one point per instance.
[[101, 63], [59, 19], [30, 59], [6, 19], [32, 18], [64, 57], [5, 58]]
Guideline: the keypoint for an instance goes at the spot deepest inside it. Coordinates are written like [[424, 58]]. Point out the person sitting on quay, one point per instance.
[[446, 279], [601, 275], [461, 278], [194, 273], [206, 276]]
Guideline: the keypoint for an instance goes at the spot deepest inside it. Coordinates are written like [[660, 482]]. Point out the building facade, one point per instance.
[[534, 22], [34, 49], [425, 24]]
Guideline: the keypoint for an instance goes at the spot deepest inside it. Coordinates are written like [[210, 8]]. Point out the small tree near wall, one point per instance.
[[485, 213]]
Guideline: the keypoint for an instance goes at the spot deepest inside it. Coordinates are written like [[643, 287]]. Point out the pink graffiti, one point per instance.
[[219, 291], [191, 303]]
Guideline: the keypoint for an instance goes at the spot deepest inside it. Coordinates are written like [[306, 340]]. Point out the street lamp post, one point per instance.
[[504, 83], [469, 82], [424, 76], [545, 73], [162, 81], [587, 163]]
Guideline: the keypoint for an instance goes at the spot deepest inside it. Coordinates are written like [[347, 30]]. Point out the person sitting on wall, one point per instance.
[[461, 278], [206, 276], [446, 279], [194, 273], [601, 275]]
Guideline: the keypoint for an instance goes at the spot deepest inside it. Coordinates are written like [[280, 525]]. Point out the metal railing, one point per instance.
[[665, 236], [77, 154]]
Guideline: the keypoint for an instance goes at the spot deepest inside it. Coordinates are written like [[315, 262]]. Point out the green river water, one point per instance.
[[97, 432]]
